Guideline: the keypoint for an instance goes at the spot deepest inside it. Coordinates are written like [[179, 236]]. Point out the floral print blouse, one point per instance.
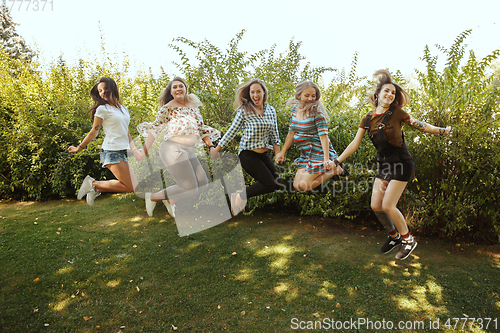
[[179, 121]]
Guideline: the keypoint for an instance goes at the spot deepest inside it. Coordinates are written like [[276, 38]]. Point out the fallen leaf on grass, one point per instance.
[[36, 280], [233, 254], [87, 318], [243, 313], [137, 287], [338, 305]]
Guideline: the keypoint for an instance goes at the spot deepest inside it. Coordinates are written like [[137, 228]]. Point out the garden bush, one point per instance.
[[43, 111]]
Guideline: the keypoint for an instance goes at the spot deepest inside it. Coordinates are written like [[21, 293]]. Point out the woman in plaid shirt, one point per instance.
[[257, 120]]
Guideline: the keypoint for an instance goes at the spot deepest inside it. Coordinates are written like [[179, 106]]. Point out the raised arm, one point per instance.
[[427, 128], [96, 126], [353, 146]]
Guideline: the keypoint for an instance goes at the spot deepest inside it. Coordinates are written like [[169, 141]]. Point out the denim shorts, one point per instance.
[[112, 157]]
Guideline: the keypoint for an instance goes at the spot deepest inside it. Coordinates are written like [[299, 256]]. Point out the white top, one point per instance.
[[115, 124]]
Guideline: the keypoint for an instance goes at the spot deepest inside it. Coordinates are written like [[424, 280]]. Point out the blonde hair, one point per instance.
[[166, 95], [242, 99], [384, 77], [312, 108]]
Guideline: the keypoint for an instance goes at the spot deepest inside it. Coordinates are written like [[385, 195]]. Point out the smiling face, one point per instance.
[[257, 94], [386, 95], [178, 90], [308, 95], [101, 88]]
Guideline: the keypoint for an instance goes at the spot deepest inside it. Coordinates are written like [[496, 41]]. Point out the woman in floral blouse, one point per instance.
[[184, 128], [257, 120]]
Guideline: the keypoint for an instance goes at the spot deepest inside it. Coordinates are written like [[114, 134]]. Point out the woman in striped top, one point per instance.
[[309, 131]]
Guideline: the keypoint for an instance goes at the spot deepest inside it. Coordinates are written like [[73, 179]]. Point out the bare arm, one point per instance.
[[96, 126], [149, 141], [280, 157], [353, 146], [324, 144], [427, 128], [276, 149]]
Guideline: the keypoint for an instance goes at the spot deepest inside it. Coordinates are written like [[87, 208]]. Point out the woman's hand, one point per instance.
[[279, 158], [214, 153], [139, 154], [73, 149], [329, 165], [447, 130]]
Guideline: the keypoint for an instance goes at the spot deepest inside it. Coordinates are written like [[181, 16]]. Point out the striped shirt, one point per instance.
[[307, 138], [258, 131]]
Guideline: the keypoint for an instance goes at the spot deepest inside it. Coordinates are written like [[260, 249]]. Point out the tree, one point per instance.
[[12, 43]]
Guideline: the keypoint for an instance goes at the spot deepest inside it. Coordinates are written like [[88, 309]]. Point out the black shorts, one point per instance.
[[402, 171]]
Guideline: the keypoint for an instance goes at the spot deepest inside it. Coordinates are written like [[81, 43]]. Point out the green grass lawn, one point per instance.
[[68, 267]]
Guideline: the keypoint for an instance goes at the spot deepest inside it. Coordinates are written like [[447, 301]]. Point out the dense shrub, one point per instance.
[[43, 110], [455, 190]]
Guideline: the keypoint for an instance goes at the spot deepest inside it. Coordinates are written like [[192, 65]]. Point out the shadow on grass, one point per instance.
[[67, 267]]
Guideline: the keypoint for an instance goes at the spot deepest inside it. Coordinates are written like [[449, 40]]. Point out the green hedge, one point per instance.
[[43, 110]]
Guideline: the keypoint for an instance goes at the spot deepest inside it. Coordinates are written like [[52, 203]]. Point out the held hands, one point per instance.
[[279, 158], [329, 165], [139, 154], [213, 153]]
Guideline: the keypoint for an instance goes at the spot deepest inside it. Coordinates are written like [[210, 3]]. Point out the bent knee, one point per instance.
[[376, 207]]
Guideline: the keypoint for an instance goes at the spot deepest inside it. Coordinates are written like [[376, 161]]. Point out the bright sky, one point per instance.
[[386, 34]]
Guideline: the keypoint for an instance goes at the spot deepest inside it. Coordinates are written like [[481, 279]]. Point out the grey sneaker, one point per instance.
[[91, 195], [170, 208], [406, 248], [86, 187], [390, 244]]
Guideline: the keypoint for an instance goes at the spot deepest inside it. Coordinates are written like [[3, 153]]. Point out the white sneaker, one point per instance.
[[150, 205], [91, 195], [86, 187], [170, 208]]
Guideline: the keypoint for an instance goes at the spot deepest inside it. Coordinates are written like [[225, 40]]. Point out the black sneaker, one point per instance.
[[390, 244], [406, 248]]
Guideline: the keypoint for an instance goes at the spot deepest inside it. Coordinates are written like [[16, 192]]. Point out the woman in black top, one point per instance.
[[395, 164]]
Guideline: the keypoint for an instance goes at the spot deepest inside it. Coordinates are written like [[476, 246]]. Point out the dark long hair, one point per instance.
[[384, 77], [111, 93]]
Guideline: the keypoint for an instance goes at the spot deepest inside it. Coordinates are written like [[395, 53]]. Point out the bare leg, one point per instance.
[[124, 182], [305, 181], [385, 197]]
